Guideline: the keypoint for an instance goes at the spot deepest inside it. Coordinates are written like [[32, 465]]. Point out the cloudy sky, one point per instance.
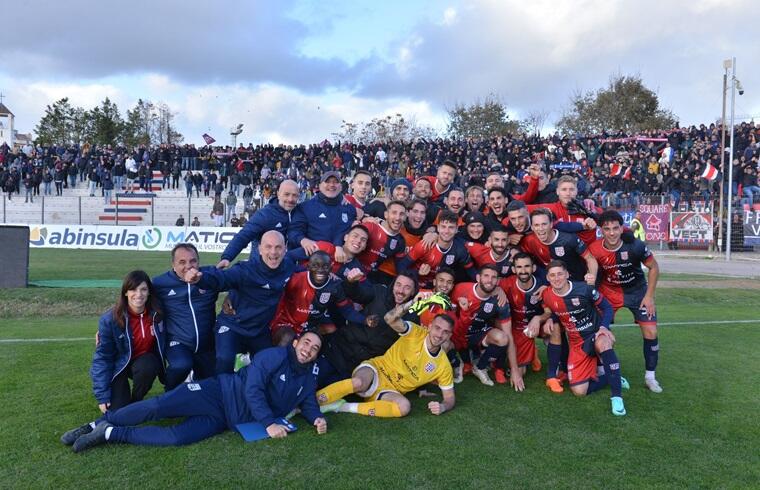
[[292, 70]]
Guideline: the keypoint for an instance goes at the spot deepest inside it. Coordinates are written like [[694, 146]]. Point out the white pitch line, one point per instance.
[[614, 325]]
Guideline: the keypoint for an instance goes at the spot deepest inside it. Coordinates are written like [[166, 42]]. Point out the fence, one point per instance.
[[122, 209]]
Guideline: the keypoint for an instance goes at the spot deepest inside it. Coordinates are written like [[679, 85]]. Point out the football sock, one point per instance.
[[649, 375], [553, 353], [453, 358], [108, 432], [612, 367], [490, 352], [335, 391], [651, 353], [596, 384], [565, 352], [377, 408]]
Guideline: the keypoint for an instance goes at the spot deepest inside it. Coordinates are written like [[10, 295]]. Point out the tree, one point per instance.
[[56, 125], [108, 126], [164, 131], [625, 104], [139, 124], [481, 119], [388, 128], [534, 122]]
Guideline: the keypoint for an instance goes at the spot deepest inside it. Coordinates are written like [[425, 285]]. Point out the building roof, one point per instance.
[[4, 110]]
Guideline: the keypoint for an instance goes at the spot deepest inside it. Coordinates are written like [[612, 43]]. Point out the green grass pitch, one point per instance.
[[702, 432]]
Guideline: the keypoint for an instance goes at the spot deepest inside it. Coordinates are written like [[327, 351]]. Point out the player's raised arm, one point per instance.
[[393, 317]]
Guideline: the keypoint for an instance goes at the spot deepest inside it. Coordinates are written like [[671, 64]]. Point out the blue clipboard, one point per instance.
[[254, 431]]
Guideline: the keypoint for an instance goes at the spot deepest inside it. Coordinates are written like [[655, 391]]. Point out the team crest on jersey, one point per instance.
[[344, 217], [575, 301], [534, 299], [488, 307], [202, 291], [324, 298], [559, 251], [429, 367], [624, 255], [449, 259], [393, 243], [504, 270]]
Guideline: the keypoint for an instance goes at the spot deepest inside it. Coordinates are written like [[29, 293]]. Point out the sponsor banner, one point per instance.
[[656, 220], [691, 227], [143, 238], [751, 228]]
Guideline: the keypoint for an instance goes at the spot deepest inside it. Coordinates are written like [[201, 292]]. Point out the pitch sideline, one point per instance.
[[664, 324]]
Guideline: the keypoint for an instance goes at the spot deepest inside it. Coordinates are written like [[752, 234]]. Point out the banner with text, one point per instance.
[[751, 228], [656, 220], [142, 238], [691, 227]]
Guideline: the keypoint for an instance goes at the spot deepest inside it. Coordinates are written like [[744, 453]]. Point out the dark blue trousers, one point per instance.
[[201, 404], [229, 343], [182, 360]]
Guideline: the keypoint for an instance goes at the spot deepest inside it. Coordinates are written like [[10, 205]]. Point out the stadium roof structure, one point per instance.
[[4, 110]]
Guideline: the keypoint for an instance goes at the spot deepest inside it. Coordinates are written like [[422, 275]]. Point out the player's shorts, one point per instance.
[[581, 362], [379, 386], [632, 300], [525, 347], [475, 341]]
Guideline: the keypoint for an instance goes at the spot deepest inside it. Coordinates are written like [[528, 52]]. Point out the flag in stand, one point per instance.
[[615, 169], [627, 173], [208, 139], [710, 173]]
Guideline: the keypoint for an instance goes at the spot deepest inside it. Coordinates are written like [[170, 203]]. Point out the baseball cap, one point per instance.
[[327, 175]]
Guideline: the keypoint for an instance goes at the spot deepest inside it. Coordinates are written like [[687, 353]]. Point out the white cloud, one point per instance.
[[449, 16]]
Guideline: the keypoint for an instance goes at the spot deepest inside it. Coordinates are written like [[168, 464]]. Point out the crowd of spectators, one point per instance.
[[668, 163]]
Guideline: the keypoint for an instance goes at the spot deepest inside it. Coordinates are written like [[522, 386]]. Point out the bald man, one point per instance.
[[273, 216], [256, 286]]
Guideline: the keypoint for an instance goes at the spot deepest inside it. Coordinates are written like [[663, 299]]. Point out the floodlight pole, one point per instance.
[[726, 66], [729, 219]]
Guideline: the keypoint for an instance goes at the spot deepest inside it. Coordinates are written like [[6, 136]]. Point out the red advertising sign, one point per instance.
[[691, 227], [656, 219]]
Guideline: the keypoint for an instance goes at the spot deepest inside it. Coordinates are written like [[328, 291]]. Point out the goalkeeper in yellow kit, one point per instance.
[[413, 360]]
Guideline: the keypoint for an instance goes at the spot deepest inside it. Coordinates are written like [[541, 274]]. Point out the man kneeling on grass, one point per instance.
[[277, 381], [414, 360]]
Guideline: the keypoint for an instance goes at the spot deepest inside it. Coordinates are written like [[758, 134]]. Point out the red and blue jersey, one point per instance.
[[340, 270], [304, 306], [566, 247], [483, 255], [481, 314], [621, 279], [455, 256], [382, 249], [524, 304], [577, 311]]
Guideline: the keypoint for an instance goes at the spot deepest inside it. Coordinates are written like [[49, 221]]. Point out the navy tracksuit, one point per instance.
[[189, 313], [321, 219], [270, 217], [255, 291], [269, 388]]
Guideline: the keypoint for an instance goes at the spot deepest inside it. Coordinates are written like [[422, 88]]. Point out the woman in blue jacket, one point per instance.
[[130, 345]]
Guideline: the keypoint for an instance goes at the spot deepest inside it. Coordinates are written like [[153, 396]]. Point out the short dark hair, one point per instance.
[[410, 204], [490, 267], [445, 317], [358, 226], [446, 270], [542, 212], [395, 202], [361, 172], [555, 263], [186, 246], [448, 216], [449, 163], [609, 216], [522, 255], [500, 190], [516, 205]]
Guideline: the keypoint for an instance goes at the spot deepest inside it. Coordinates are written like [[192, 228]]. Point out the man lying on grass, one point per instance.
[[413, 361], [277, 381]]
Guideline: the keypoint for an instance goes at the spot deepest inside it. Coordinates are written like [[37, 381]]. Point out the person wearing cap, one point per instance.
[[401, 189], [274, 216], [474, 229], [325, 217]]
